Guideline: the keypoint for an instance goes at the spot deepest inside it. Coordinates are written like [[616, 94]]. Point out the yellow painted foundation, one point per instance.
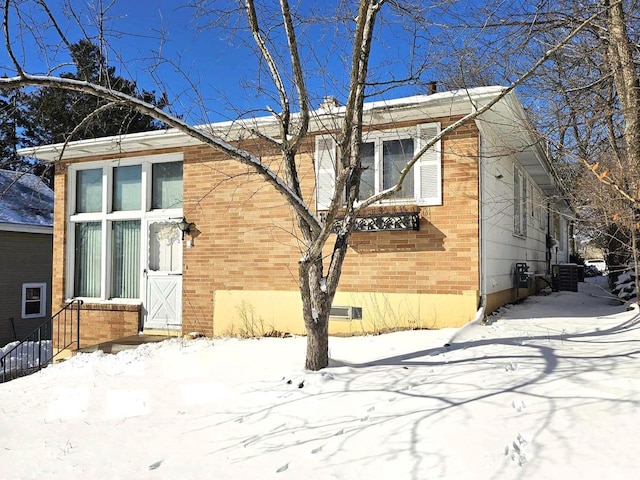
[[255, 313]]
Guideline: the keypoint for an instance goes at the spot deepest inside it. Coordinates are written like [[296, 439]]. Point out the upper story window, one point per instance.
[[384, 155]]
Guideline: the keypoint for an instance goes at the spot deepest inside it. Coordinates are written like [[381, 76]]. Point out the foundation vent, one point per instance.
[[346, 313]]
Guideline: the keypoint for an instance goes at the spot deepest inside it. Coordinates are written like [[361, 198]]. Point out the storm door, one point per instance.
[[164, 277]]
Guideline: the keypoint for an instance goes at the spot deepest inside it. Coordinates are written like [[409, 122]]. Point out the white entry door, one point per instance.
[[164, 277]]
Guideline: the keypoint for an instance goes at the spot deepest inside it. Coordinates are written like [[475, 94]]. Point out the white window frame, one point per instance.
[[431, 158], [106, 217], [43, 299]]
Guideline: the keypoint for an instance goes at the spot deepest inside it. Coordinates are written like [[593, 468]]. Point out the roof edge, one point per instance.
[[168, 138]]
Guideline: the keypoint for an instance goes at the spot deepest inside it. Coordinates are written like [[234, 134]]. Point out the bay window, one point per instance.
[[111, 203]]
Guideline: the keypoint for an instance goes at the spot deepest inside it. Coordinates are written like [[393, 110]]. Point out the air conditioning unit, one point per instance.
[[346, 313]]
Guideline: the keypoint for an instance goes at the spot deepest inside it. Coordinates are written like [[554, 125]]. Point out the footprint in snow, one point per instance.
[[517, 449], [283, 468], [371, 409], [511, 367], [316, 450], [155, 465], [339, 432], [518, 406]]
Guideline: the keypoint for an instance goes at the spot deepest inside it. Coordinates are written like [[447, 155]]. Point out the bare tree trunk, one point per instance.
[[317, 344], [316, 306], [620, 52]]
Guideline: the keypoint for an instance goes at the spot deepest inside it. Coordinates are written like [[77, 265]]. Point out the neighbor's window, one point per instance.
[[34, 300], [107, 239], [383, 157]]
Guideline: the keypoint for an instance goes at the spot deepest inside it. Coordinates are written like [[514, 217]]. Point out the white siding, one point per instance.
[[501, 248]]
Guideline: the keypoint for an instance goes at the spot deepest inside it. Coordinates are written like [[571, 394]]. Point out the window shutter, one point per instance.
[[428, 176], [325, 163]]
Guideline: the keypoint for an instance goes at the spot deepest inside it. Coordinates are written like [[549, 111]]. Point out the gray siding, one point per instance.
[[24, 258]]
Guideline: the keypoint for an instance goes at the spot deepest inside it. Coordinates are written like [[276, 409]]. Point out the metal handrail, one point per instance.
[[35, 352]]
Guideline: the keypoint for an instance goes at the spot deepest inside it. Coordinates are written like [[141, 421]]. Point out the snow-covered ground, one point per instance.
[[549, 390]]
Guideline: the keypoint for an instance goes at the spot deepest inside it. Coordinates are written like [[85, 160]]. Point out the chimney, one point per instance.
[[329, 103], [432, 87]]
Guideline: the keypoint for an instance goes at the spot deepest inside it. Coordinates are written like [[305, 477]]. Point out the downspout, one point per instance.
[[481, 241], [547, 237]]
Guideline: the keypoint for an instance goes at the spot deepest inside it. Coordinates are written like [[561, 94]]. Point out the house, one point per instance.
[[481, 201], [26, 236]]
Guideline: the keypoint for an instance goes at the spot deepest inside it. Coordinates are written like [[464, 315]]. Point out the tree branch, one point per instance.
[[148, 109], [478, 111]]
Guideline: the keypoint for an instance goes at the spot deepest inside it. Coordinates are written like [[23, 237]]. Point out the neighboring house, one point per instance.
[[26, 236], [480, 202]]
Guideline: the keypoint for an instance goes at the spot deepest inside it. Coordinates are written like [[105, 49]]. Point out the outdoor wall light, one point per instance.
[[184, 226]]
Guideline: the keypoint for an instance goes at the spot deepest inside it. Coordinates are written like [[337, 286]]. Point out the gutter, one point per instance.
[[24, 228]]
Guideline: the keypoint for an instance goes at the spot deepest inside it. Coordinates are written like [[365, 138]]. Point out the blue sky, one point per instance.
[[214, 75]]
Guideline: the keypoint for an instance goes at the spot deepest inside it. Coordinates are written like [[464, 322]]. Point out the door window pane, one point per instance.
[[167, 185], [87, 260], [165, 247], [367, 179], [125, 259], [395, 156], [89, 190], [127, 187]]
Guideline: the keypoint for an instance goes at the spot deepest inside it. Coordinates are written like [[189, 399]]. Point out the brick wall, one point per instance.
[[247, 238]]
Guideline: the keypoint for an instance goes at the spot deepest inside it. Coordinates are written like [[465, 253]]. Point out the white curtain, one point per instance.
[[89, 190], [126, 259], [167, 185], [127, 188], [87, 261]]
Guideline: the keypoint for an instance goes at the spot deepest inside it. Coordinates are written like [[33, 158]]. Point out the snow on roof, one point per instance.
[[25, 200], [454, 102]]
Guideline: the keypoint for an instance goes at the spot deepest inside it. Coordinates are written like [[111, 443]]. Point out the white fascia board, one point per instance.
[[21, 228], [419, 107]]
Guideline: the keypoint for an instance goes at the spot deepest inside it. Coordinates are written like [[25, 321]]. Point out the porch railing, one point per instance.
[[41, 346]]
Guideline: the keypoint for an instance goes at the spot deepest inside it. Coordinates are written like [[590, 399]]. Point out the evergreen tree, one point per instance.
[[10, 123], [55, 116]]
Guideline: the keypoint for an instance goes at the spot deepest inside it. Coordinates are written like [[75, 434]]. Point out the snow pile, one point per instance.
[[26, 356], [625, 287], [548, 390]]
